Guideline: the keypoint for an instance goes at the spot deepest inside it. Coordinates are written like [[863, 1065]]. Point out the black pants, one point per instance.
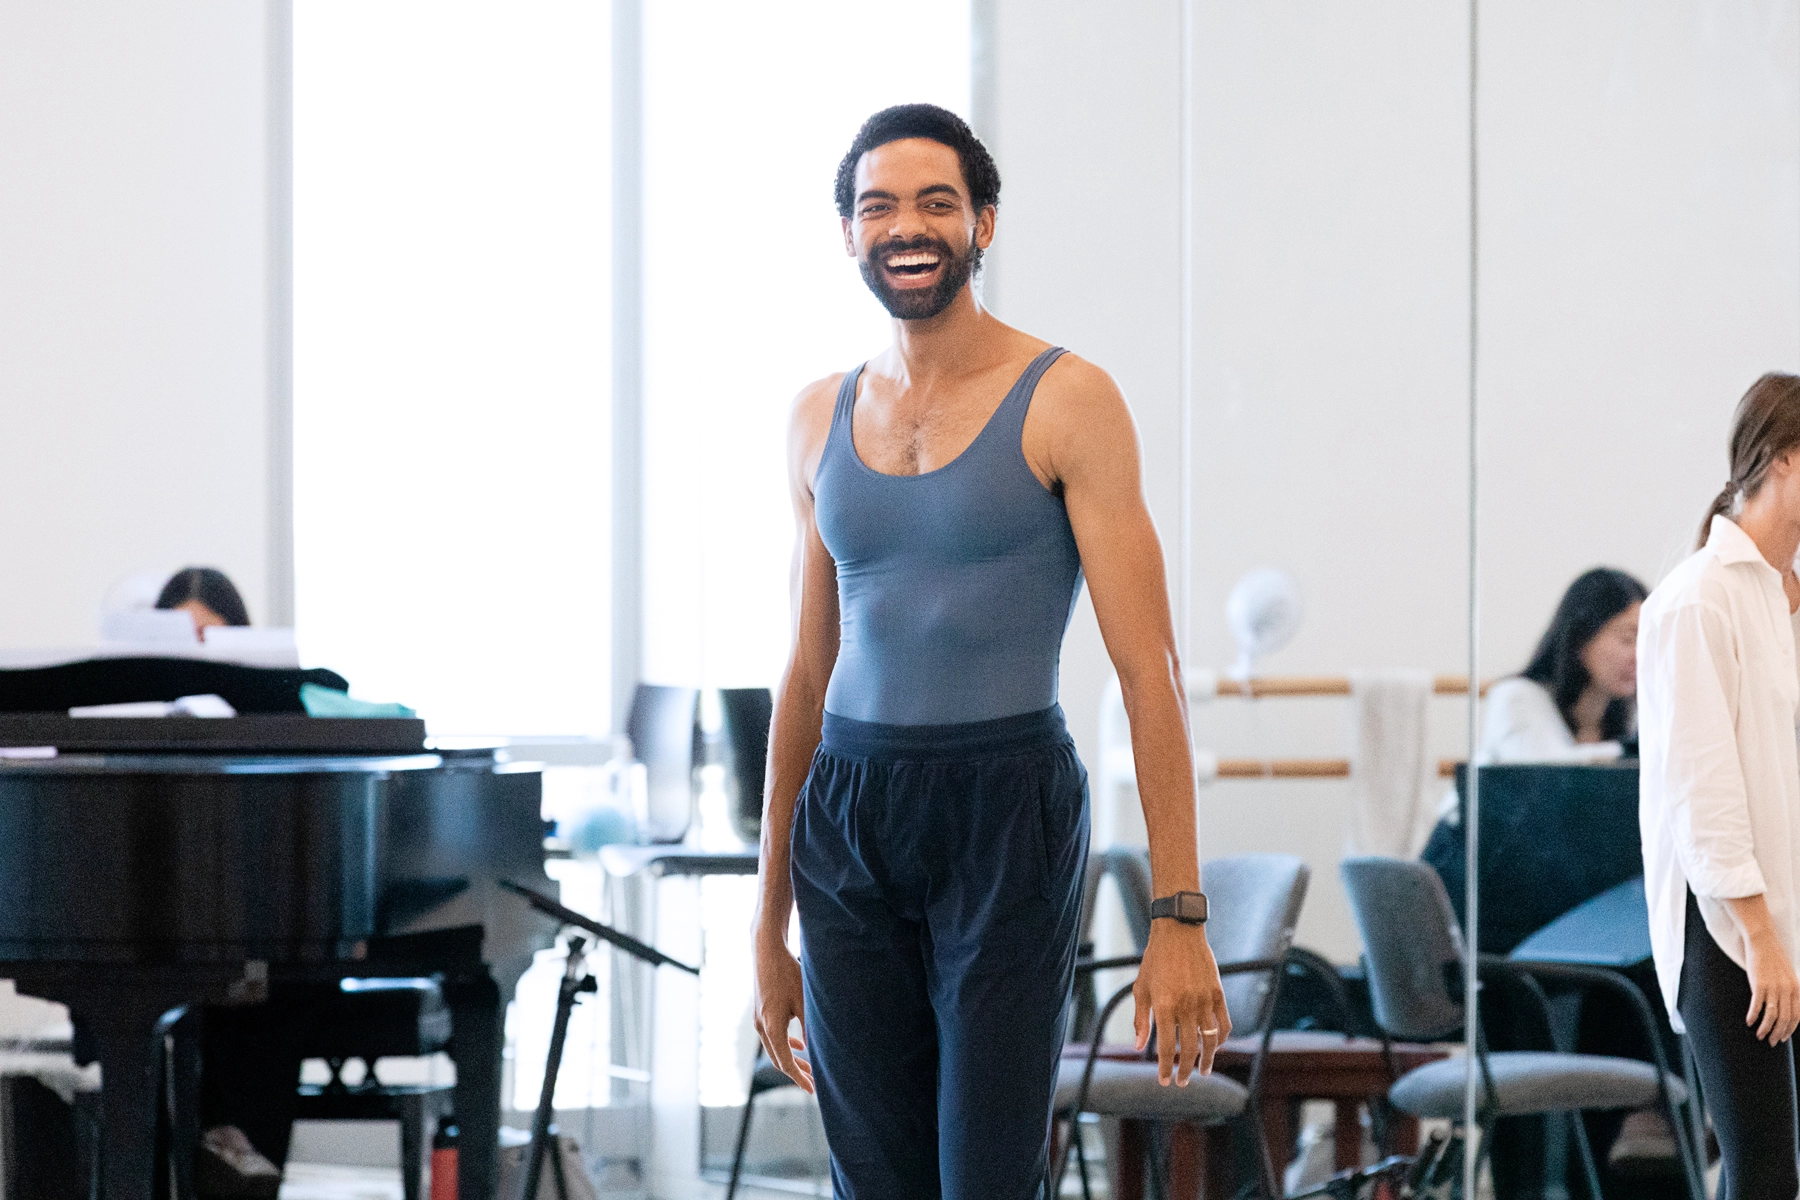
[[1747, 1084], [938, 874]]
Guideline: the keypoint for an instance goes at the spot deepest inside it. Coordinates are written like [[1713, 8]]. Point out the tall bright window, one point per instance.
[[748, 293], [452, 286], [748, 297]]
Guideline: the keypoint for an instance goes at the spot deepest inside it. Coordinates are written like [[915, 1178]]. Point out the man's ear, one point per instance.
[[849, 240], [984, 226]]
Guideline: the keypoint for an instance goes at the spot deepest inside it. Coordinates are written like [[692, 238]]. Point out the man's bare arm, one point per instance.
[[794, 736], [1085, 439]]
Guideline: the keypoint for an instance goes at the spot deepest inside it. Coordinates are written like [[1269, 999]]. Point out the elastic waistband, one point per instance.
[[937, 743]]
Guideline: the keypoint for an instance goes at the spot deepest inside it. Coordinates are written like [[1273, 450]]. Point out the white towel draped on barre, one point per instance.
[[1393, 782]]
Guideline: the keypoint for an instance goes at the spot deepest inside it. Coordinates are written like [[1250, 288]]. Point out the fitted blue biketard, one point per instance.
[[955, 586], [940, 841]]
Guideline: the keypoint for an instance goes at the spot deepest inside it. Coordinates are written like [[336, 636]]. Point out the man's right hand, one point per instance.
[[779, 1001]]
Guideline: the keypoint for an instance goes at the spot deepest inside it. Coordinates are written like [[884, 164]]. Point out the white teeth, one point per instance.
[[912, 260]]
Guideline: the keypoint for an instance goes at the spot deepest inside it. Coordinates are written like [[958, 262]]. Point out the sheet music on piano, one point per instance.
[[244, 645]]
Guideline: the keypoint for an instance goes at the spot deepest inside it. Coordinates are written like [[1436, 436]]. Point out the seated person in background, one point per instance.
[[1575, 701], [206, 595]]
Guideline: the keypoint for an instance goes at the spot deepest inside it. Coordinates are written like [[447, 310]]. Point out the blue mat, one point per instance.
[[1610, 930]]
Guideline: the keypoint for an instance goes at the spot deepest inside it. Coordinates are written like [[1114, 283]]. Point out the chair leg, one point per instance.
[[743, 1139], [1484, 1130], [1588, 1169], [1081, 1163], [412, 1145], [1692, 1173], [1695, 1156], [1059, 1159], [1160, 1139]]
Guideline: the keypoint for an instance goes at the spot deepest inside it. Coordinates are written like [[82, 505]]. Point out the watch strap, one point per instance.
[[1189, 908]]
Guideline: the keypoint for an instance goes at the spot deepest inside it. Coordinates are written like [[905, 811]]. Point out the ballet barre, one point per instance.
[[1301, 768], [1324, 685], [1204, 686], [1312, 685]]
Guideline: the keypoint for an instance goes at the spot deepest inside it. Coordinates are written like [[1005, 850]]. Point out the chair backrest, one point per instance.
[[1253, 904], [746, 713], [1130, 872], [661, 727], [1411, 945]]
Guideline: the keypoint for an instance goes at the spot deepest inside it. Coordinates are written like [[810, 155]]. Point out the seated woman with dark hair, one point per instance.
[[1576, 700], [205, 594]]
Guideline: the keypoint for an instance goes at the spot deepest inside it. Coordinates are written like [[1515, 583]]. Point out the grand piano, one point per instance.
[[151, 865]]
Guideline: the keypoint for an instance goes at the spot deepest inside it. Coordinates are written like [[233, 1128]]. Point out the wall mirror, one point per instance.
[[1639, 267], [1308, 463]]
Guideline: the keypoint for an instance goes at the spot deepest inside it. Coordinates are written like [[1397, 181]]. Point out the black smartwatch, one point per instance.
[[1187, 907]]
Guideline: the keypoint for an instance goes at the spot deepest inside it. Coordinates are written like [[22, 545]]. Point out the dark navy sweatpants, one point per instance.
[[937, 870]]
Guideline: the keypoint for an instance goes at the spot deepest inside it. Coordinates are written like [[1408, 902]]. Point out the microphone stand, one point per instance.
[[575, 981]]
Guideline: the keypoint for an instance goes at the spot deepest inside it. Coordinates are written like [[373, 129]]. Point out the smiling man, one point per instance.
[[927, 814]]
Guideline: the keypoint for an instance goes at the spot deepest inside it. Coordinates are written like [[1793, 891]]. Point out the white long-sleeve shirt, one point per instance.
[[1520, 723], [1719, 790]]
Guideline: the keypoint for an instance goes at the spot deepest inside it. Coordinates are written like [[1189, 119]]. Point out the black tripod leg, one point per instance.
[[743, 1139], [572, 986], [556, 1170]]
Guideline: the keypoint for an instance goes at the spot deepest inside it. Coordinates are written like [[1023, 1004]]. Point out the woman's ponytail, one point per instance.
[[1721, 507], [1765, 426]]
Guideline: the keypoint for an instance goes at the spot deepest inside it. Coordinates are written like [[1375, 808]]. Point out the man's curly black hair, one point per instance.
[[934, 124]]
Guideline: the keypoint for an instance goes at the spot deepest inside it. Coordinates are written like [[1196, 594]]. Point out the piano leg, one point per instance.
[[476, 1042], [120, 1032]]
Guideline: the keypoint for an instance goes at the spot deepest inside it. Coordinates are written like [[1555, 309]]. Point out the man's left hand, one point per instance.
[[1178, 991]]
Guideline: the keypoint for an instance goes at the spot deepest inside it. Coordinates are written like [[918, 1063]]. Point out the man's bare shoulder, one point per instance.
[[809, 424], [812, 408], [1079, 427], [819, 396], [1076, 390]]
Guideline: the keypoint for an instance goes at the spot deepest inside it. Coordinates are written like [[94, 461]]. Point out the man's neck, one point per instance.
[[961, 339]]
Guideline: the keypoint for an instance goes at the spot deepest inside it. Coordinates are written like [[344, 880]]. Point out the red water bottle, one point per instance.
[[443, 1160]]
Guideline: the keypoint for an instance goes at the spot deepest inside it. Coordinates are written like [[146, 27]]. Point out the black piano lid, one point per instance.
[[218, 764], [245, 734]]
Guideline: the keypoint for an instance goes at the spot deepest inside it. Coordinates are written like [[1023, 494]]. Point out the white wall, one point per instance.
[[134, 249], [1640, 268], [1330, 273]]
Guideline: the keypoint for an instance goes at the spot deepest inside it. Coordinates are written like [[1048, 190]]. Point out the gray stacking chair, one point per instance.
[[765, 1076], [1255, 904], [1415, 959], [1130, 872], [664, 733]]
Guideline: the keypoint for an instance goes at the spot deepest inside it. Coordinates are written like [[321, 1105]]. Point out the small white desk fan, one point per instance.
[[1264, 612]]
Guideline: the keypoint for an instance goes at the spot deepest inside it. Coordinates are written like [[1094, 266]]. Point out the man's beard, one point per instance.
[[920, 304]]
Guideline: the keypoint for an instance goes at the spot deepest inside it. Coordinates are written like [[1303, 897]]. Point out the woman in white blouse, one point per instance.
[[1574, 701], [1718, 689]]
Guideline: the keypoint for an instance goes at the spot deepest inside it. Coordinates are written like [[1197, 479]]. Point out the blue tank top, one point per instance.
[[954, 586]]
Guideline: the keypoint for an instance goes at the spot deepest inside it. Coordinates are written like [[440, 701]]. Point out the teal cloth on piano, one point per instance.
[[329, 702]]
